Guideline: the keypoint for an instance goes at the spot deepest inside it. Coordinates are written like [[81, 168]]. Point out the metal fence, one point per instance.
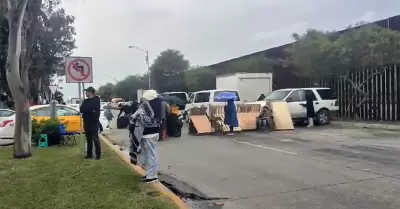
[[381, 100]]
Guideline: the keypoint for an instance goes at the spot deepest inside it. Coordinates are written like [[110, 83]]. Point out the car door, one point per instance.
[[295, 104], [189, 105], [70, 118]]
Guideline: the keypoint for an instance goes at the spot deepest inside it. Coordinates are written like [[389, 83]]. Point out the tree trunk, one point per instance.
[[23, 130], [18, 87]]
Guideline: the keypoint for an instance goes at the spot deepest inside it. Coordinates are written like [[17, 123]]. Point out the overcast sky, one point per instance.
[[205, 31]]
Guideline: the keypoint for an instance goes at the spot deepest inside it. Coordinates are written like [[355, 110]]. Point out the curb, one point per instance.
[[377, 126], [156, 185]]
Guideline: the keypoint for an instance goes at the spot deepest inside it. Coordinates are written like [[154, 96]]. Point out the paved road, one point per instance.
[[322, 168]]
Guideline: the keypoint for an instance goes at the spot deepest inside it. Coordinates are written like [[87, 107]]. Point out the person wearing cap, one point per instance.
[[90, 110], [144, 128]]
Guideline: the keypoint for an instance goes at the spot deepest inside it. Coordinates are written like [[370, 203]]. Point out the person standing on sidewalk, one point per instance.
[[90, 110], [144, 129]]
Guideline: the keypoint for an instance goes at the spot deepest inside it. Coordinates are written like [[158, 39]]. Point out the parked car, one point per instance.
[[66, 114], [75, 106], [5, 114], [325, 103]]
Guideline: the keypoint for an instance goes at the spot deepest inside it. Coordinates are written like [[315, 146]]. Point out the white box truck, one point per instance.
[[249, 85]]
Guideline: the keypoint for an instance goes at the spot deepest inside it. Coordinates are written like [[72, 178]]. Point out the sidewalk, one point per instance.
[[381, 125]]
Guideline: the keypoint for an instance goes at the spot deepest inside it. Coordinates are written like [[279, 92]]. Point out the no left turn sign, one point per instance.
[[78, 70]]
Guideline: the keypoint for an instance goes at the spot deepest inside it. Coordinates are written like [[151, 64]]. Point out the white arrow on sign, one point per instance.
[[53, 88]]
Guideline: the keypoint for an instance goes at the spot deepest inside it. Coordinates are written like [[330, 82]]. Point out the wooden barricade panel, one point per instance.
[[201, 124], [281, 116], [247, 121], [247, 115]]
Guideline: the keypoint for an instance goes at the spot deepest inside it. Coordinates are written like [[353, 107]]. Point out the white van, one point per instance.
[[325, 103], [207, 97]]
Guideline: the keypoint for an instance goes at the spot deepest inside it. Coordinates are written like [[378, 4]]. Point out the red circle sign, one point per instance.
[[85, 74]]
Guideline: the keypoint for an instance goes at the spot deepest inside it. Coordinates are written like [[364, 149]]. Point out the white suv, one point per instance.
[[325, 103]]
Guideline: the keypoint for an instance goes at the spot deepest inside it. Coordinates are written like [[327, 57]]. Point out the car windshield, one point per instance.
[[277, 95], [6, 113]]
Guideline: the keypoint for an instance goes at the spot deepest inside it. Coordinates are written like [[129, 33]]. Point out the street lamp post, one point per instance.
[[147, 61], [114, 78]]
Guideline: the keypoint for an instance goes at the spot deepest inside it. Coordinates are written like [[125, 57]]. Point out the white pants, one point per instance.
[[310, 122]]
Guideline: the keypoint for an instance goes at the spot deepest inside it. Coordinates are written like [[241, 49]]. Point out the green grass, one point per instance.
[[57, 178]]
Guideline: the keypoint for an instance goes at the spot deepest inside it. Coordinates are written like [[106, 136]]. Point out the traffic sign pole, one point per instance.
[[80, 118]]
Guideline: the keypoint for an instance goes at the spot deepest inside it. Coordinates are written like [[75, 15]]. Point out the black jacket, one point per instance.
[[90, 109]]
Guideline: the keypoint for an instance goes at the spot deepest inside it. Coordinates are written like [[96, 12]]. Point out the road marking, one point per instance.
[[265, 147]]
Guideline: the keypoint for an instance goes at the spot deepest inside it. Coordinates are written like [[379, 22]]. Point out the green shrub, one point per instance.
[[49, 127]]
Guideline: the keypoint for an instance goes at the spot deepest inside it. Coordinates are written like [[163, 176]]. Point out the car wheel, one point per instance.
[[323, 117], [187, 118]]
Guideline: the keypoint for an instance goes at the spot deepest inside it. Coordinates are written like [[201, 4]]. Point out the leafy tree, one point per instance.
[[319, 54], [55, 41], [310, 52], [26, 20], [200, 78], [167, 71], [127, 88], [106, 91]]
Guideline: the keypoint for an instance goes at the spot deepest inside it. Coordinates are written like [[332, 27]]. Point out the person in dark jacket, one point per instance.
[[310, 109], [128, 109], [123, 109], [231, 116], [90, 110]]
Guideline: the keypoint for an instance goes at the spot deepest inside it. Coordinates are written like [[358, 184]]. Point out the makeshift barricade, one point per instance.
[[199, 122], [217, 117], [247, 116]]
